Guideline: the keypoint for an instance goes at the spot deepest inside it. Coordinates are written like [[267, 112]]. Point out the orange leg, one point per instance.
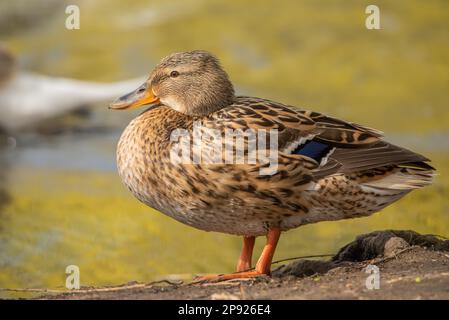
[[263, 265], [244, 263]]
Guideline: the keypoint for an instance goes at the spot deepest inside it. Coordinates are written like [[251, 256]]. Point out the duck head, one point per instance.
[[191, 82]]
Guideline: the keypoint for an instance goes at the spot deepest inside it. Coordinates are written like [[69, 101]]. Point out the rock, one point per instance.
[[394, 245]]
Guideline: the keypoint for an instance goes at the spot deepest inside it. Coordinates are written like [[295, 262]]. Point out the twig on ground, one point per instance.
[[90, 290], [384, 259]]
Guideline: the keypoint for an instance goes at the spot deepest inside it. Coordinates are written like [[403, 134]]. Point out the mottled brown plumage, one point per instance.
[[355, 174]]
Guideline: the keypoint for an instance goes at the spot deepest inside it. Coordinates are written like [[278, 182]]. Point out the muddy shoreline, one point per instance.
[[410, 265]]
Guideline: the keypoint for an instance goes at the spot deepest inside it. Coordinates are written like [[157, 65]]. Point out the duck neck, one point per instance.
[[218, 94]]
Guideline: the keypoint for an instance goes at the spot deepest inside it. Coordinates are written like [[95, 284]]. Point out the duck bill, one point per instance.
[[137, 98]]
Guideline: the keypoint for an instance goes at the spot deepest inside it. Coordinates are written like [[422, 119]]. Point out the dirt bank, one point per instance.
[[411, 266]]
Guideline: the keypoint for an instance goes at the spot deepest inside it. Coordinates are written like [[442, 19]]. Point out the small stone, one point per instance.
[[394, 245]]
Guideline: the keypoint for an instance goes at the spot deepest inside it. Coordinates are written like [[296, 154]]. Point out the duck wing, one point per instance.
[[323, 145]]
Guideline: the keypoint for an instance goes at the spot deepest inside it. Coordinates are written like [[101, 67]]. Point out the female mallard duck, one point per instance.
[[327, 169]]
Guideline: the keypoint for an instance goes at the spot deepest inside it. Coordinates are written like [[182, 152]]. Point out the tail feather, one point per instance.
[[404, 178]]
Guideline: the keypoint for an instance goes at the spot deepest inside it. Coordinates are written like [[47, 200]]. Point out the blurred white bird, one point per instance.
[[27, 99]]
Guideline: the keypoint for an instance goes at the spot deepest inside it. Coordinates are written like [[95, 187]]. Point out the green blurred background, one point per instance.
[[66, 204]]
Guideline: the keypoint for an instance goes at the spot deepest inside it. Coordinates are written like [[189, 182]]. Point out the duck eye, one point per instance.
[[174, 74]]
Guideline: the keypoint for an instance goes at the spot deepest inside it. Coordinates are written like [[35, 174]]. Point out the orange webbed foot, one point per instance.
[[263, 266]]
